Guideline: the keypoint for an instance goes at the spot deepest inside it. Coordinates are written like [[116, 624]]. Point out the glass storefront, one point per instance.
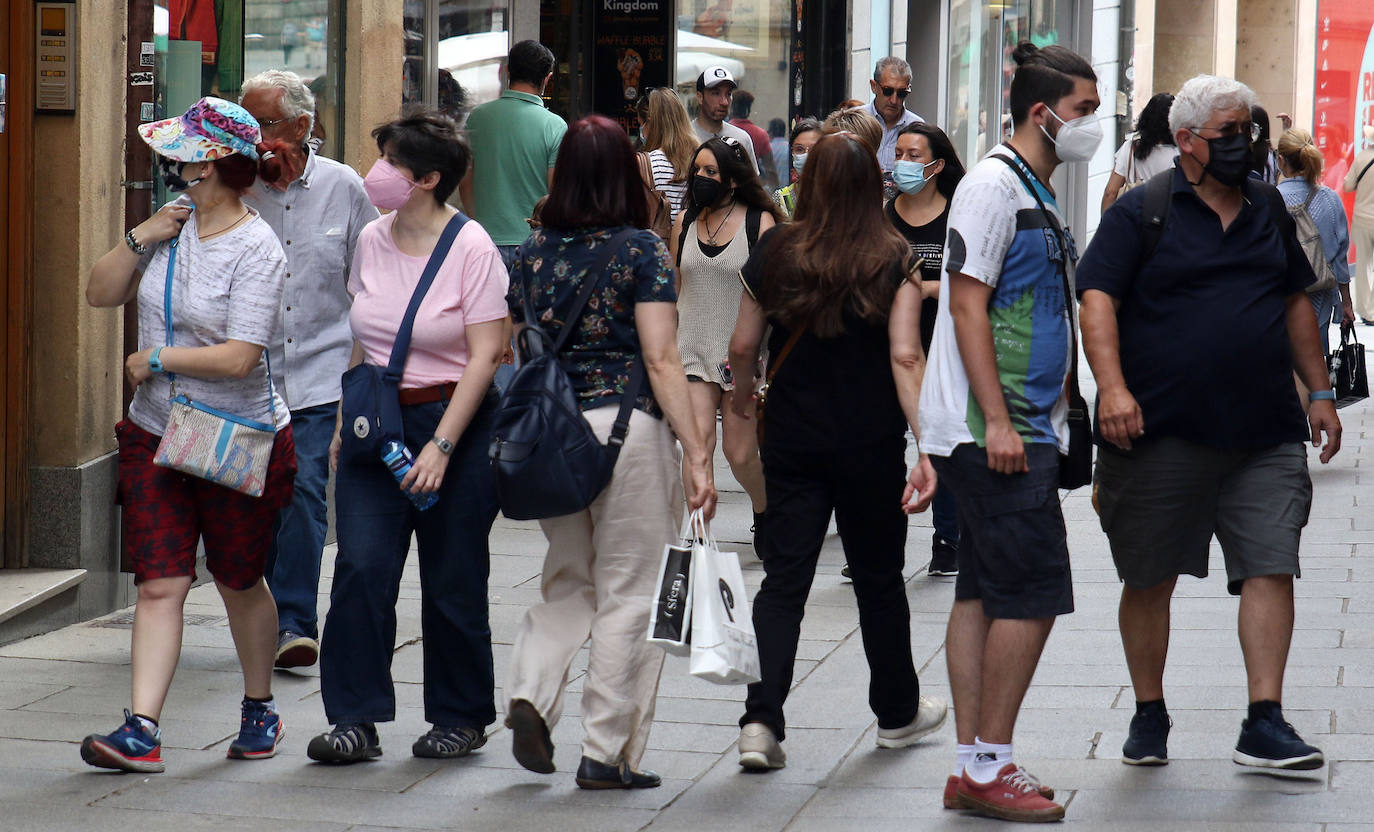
[[1345, 87], [982, 36], [207, 47], [470, 41]]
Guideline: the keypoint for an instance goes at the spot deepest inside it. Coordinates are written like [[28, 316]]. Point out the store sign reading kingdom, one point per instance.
[[633, 53]]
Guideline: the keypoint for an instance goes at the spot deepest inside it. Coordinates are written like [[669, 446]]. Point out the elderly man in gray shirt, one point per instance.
[[317, 215]]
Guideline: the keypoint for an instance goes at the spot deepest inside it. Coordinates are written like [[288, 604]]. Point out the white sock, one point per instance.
[[962, 755], [988, 759], [149, 726]]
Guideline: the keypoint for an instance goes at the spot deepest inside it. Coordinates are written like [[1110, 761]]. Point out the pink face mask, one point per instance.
[[386, 186]]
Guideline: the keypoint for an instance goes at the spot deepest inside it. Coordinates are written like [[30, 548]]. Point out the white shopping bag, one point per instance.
[[724, 648], [670, 616]]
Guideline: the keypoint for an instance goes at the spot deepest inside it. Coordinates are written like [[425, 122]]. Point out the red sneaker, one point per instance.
[[952, 790], [1012, 795]]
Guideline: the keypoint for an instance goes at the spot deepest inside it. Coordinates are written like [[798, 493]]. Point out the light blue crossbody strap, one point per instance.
[[167, 315]]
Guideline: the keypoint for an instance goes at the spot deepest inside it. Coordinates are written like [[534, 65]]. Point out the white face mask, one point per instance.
[[1078, 138]]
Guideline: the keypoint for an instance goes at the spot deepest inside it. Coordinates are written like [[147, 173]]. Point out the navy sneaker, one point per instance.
[[1270, 742], [1147, 743], [260, 730], [128, 748]]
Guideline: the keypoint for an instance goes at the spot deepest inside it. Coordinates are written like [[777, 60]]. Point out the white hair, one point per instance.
[[1203, 95], [892, 62], [297, 100]]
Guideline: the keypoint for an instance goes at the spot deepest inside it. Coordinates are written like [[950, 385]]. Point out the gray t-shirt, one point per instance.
[[228, 288], [728, 131]]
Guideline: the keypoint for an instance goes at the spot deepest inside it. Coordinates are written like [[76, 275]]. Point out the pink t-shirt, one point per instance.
[[470, 288]]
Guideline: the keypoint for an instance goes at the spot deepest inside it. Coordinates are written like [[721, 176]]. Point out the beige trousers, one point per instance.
[[1362, 235], [598, 581]]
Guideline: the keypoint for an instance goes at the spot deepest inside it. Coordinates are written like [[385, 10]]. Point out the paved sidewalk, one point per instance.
[[56, 688]]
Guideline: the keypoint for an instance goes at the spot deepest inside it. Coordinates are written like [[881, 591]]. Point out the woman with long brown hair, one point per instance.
[[727, 209], [669, 142], [843, 388]]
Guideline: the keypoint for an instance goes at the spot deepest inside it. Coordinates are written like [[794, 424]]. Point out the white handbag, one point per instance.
[[724, 647]]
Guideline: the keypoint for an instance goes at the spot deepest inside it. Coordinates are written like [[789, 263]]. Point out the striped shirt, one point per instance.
[[663, 174]]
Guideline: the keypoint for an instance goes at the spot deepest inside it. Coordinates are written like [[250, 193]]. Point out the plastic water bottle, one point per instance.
[[398, 461]]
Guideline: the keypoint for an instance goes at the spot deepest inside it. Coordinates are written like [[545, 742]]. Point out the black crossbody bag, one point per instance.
[[1076, 467]]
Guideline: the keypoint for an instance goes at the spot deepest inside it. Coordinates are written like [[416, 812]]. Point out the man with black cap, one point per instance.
[[715, 87]]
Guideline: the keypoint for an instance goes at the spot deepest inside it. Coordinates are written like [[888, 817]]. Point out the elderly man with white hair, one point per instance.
[[1194, 320], [317, 211]]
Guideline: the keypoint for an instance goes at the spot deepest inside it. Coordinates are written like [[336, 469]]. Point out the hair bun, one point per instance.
[[1024, 51]]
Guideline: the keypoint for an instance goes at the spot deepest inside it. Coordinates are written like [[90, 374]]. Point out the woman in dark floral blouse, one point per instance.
[[602, 561]]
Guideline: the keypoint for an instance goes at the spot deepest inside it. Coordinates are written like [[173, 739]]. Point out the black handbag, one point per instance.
[[1346, 366], [547, 460], [370, 407], [1075, 467]]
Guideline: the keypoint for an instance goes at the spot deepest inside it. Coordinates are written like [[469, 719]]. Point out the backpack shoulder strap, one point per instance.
[[1363, 171], [753, 218], [682, 237], [1154, 214], [590, 280]]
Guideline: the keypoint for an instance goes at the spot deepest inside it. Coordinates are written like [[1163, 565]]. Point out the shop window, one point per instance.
[[456, 66], [753, 40], [1345, 88], [207, 47]]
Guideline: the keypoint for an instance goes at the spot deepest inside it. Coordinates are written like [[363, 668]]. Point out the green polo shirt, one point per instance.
[[514, 142]]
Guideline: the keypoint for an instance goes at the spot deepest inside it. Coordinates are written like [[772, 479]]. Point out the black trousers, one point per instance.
[[863, 486]]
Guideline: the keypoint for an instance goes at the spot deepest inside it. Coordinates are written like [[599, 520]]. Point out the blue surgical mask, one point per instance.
[[910, 176], [798, 161]]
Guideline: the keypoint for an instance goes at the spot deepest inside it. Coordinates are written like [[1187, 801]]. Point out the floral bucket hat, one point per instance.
[[212, 129]]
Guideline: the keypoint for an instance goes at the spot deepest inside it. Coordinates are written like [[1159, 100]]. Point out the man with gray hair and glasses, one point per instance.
[[891, 85], [1195, 319], [317, 210]]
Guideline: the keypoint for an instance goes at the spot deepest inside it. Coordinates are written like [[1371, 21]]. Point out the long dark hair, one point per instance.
[[596, 182], [735, 169], [817, 272], [940, 148], [1152, 128], [1261, 148]]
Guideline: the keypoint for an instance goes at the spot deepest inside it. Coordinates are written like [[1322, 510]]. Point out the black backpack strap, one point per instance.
[[753, 218], [1154, 215], [396, 366], [1363, 171], [682, 237]]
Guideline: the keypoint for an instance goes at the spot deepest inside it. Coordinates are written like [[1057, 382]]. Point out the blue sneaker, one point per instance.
[[128, 748], [259, 732]]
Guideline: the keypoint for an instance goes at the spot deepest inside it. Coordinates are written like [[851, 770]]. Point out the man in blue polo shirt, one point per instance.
[[1194, 333], [514, 142]]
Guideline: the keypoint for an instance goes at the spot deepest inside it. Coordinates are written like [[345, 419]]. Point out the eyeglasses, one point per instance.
[[273, 122], [1233, 128], [901, 94]]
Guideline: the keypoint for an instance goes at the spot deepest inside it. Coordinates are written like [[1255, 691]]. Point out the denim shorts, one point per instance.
[[1013, 549], [1161, 502]]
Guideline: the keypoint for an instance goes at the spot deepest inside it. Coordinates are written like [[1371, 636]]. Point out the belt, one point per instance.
[[426, 395]]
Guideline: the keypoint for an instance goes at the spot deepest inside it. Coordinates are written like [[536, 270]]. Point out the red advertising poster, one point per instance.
[[1345, 86]]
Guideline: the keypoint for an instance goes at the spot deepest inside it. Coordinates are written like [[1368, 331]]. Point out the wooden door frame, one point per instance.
[[16, 384]]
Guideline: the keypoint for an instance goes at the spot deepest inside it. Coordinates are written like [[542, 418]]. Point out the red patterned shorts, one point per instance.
[[166, 512]]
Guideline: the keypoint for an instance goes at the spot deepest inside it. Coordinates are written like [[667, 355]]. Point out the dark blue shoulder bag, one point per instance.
[[370, 406]]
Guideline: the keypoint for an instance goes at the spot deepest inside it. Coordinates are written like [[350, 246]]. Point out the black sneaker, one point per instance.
[[446, 743], [1147, 744], [345, 744], [944, 557], [1270, 742]]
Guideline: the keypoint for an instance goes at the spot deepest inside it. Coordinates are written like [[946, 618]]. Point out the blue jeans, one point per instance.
[[293, 564], [375, 523], [944, 513], [506, 372], [1326, 304]]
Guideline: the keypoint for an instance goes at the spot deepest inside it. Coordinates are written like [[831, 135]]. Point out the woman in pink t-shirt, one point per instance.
[[447, 405]]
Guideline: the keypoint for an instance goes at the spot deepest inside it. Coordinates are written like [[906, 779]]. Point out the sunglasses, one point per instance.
[[901, 94]]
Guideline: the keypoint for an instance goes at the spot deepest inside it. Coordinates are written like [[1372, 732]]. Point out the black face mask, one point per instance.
[[706, 191], [1229, 161], [171, 174]]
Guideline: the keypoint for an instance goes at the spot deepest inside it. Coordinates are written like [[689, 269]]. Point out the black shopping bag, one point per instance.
[[1346, 366]]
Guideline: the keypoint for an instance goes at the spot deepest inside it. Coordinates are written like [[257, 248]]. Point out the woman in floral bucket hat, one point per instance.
[[224, 285]]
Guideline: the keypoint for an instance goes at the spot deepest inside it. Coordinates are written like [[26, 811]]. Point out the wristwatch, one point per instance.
[[445, 447], [134, 245], [155, 360]]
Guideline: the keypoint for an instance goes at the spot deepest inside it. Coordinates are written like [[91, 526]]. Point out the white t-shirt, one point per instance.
[[227, 288], [998, 235], [1160, 159]]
